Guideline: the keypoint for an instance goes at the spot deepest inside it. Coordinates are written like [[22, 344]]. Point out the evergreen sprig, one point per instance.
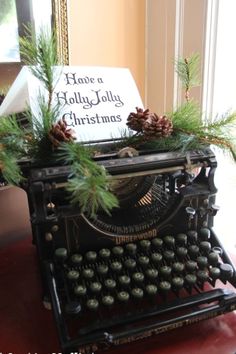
[[9, 167]]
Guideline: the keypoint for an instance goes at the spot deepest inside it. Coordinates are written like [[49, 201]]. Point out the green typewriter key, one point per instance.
[[95, 287], [181, 252], [61, 254], [80, 290], [226, 271], [130, 263], [152, 273], [151, 289], [131, 248], [202, 275], [92, 304], [77, 259], [169, 255], [116, 266], [143, 261], [204, 234], [137, 293], [157, 242], [105, 253], [138, 277], [108, 300], [205, 247], [190, 279], [169, 241], [191, 266], [181, 239], [88, 273], [156, 258], [177, 283], [91, 256], [102, 269], [202, 262], [164, 287], [213, 258], [73, 275], [214, 273], [124, 280], [145, 245], [192, 236], [165, 271], [178, 267], [193, 251], [110, 284], [123, 296], [118, 251]]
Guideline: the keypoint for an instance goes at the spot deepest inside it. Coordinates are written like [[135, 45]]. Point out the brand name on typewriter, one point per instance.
[[124, 239]]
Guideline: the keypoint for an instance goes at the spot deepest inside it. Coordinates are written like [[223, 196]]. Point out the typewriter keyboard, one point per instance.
[[141, 273]]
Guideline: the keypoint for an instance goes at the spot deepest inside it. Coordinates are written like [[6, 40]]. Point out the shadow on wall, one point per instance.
[[14, 215]]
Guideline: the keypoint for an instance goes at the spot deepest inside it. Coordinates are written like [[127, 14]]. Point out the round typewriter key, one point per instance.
[[214, 273], [191, 266], [95, 287], [169, 241], [91, 256], [138, 277], [77, 259], [165, 271], [156, 258], [108, 300], [61, 254], [105, 253], [102, 269], [73, 275], [169, 255], [157, 242], [123, 296], [152, 273], [226, 271], [143, 260], [177, 283], [151, 289], [178, 267], [217, 250], [202, 262], [88, 273], [130, 263], [213, 258], [164, 286], [118, 251], [204, 234], [80, 290], [110, 283], [131, 248], [181, 252], [116, 266], [145, 244], [190, 279], [193, 251], [137, 293], [124, 280], [205, 247], [181, 239], [192, 236], [92, 304], [202, 275]]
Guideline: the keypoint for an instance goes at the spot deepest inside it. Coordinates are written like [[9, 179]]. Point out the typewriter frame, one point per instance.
[[40, 183]]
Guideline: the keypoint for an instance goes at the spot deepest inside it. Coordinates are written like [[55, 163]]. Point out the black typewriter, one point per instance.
[[154, 265]]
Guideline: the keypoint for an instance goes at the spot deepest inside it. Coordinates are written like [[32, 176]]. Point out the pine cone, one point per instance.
[[157, 126], [59, 133], [136, 120]]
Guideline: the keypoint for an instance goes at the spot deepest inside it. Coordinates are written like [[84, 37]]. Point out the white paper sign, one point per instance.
[[96, 101]]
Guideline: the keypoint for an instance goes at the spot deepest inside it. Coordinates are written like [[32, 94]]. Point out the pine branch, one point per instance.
[[187, 118], [9, 167]]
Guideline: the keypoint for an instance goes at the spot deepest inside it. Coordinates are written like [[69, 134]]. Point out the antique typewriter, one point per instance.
[[154, 265]]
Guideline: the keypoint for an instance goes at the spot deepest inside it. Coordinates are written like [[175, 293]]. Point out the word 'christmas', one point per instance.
[[72, 120]]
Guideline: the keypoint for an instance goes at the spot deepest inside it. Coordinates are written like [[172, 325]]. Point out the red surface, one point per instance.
[[26, 327]]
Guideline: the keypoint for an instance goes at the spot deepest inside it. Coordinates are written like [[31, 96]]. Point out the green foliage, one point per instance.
[[9, 168]]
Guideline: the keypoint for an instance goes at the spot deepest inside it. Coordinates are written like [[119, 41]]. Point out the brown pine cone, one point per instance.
[[136, 120], [157, 126], [59, 133]]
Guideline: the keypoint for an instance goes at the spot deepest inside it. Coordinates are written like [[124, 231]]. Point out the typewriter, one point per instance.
[[153, 265]]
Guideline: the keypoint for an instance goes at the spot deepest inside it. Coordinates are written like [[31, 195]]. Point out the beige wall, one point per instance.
[[108, 33]]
